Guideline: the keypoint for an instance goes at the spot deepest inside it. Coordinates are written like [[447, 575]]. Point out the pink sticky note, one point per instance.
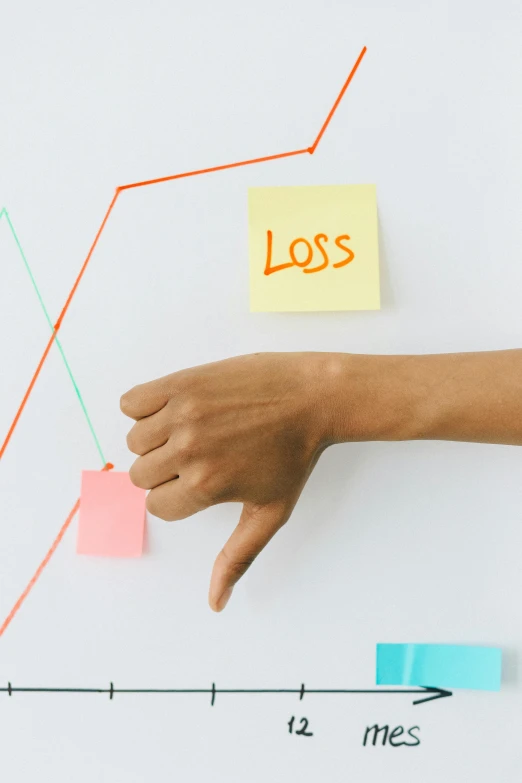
[[112, 515]]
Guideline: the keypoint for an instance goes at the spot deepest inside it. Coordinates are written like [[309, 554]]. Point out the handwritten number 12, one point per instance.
[[303, 730]]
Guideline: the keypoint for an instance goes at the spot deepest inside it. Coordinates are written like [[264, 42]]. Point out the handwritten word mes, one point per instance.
[[301, 246]]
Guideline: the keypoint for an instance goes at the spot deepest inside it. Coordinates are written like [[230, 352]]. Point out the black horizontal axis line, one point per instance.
[[213, 690], [428, 693], [166, 690], [369, 690], [12, 689]]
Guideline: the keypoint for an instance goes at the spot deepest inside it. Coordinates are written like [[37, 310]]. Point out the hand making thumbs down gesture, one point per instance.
[[248, 429]]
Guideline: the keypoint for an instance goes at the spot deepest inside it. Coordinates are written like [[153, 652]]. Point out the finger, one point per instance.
[[146, 398], [149, 433], [154, 468], [256, 527], [174, 500]]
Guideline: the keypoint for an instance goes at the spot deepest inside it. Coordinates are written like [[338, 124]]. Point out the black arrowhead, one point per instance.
[[436, 693]]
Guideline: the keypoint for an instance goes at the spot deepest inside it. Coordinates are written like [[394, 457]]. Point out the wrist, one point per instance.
[[376, 398]]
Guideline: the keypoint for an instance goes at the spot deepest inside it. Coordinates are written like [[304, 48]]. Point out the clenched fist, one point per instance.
[[248, 429]]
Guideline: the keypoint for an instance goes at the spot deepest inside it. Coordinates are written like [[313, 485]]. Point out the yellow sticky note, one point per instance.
[[313, 248]]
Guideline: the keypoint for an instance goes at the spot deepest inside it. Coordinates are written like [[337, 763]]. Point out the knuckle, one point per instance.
[[133, 442], [126, 401], [155, 507], [204, 483], [186, 445], [135, 475], [235, 567], [191, 408]]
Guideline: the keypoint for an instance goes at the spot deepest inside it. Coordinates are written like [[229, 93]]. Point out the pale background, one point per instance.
[[390, 542]]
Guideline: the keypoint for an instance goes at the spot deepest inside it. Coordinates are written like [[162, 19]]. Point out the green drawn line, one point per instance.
[[56, 340]]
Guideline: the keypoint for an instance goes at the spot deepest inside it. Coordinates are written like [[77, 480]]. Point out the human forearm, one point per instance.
[[465, 397]]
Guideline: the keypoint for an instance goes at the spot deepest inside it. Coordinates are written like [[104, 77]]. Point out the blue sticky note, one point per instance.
[[439, 666]]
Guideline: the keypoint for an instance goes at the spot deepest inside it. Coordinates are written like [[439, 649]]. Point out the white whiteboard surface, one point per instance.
[[389, 542]]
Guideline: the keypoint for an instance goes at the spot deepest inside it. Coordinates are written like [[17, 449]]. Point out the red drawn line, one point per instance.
[[26, 395], [214, 168], [338, 101], [40, 568], [84, 265], [56, 327], [68, 301], [37, 574]]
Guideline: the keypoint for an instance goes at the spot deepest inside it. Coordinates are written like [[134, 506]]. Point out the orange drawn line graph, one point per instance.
[[73, 290], [121, 188], [52, 549]]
